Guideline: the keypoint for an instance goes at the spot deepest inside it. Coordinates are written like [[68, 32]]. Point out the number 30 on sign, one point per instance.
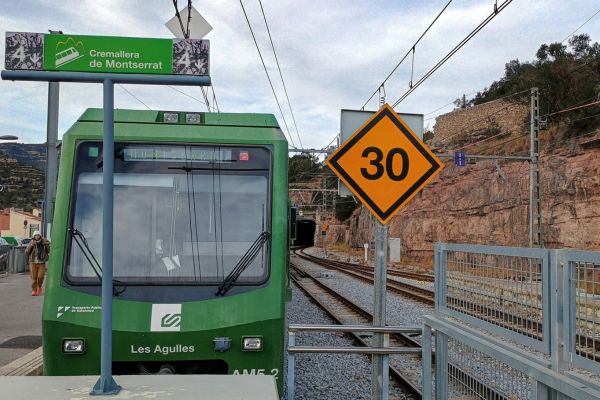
[[384, 163]]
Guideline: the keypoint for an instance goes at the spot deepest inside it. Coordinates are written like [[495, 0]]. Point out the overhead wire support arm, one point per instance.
[[479, 27]]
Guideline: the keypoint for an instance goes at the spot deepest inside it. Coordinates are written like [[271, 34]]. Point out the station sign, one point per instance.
[[113, 54], [384, 163]]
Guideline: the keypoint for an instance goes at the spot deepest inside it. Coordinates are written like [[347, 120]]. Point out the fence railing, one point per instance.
[[502, 289], [580, 302], [538, 300], [293, 349], [470, 365]]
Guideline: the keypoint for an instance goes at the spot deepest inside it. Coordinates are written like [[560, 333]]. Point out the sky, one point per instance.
[[334, 54]]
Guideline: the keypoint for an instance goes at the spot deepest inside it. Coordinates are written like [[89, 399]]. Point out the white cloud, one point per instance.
[[333, 54]]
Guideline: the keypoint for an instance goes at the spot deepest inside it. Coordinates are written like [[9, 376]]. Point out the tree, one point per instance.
[[565, 75], [301, 165]]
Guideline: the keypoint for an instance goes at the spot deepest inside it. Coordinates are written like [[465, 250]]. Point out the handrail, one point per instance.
[[292, 349]]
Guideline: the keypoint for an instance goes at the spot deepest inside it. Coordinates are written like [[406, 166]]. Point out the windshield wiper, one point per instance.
[[243, 263], [83, 245]]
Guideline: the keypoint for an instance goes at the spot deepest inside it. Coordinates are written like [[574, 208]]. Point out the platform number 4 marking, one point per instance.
[[24, 50], [384, 163]]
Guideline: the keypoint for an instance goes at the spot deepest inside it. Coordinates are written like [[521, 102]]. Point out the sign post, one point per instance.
[[385, 164], [109, 61]]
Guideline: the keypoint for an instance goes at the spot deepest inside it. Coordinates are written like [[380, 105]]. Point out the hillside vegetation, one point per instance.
[[566, 75], [22, 185]]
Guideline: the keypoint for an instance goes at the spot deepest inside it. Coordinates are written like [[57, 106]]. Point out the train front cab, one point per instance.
[[200, 247]]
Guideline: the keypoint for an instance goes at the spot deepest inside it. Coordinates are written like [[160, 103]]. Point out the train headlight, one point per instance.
[[73, 346], [252, 343], [222, 343], [193, 118], [171, 117]]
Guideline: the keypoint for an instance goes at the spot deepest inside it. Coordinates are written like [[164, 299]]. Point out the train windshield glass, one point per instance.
[[182, 214]]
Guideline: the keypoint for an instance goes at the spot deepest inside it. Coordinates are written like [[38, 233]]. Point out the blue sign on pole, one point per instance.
[[460, 159]]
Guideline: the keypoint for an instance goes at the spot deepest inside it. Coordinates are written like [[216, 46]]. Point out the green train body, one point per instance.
[[191, 194]]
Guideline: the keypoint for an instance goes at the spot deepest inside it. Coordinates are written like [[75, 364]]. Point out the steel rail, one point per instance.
[[402, 288], [524, 326], [299, 275]]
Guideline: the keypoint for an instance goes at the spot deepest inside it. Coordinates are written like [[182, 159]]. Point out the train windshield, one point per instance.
[[182, 214]]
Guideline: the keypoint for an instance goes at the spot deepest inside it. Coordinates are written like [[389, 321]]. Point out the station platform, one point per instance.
[[184, 387], [20, 318]]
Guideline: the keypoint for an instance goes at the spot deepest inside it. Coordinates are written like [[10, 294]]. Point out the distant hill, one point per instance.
[[33, 155], [21, 174]]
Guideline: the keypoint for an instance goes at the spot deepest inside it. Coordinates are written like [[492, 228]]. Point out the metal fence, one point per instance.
[[514, 323], [500, 288], [470, 365], [580, 308], [386, 350]]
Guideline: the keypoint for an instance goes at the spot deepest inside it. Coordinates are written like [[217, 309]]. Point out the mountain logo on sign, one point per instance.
[[68, 51]]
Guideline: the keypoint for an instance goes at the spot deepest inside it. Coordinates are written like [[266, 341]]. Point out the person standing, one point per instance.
[[38, 251]]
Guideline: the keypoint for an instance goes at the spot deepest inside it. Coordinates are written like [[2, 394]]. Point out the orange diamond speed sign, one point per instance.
[[384, 163]]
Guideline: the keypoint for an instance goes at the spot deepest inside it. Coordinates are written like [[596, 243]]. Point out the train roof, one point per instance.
[[151, 124]]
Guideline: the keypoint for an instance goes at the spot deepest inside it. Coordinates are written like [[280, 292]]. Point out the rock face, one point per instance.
[[487, 203], [494, 118]]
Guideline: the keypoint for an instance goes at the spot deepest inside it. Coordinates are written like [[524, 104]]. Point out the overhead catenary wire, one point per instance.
[[497, 10], [280, 74], [444, 106], [332, 140], [134, 96], [189, 18], [574, 108], [581, 26], [410, 50], [189, 95], [267, 73], [216, 104]]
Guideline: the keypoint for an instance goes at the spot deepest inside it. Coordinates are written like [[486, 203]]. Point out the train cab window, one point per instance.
[[182, 214]]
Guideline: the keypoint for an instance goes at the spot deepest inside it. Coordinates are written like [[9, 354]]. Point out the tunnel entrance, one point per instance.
[[305, 232]]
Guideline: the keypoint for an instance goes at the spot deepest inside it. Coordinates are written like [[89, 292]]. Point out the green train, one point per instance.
[[200, 246]]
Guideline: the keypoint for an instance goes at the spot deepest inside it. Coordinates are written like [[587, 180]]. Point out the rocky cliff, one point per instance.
[[487, 202]]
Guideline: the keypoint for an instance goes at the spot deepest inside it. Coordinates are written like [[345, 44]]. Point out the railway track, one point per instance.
[[367, 275], [345, 312], [516, 323]]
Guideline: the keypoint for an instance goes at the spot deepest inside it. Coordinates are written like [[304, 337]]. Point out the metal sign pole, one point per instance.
[[380, 374], [51, 156], [106, 384]]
